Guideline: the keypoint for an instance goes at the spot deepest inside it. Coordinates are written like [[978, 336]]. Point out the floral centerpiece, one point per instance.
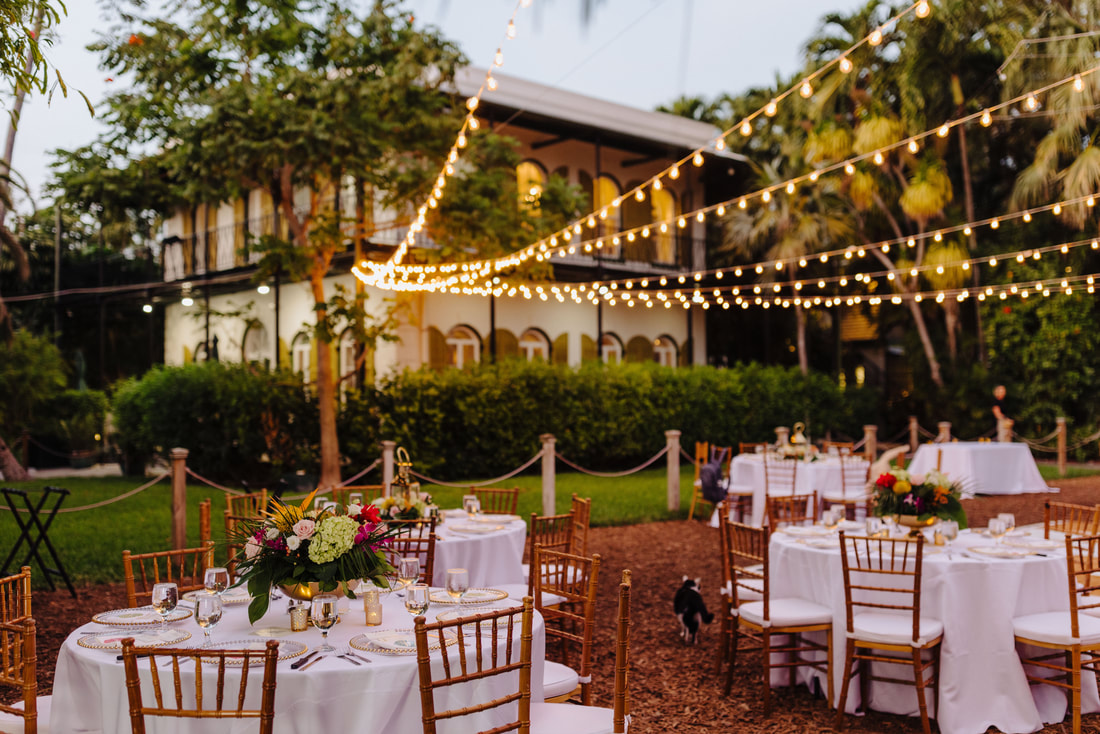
[[291, 546], [402, 507], [918, 499]]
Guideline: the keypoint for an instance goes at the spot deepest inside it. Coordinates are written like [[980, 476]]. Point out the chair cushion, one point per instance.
[[1054, 628], [841, 498], [785, 612], [754, 593], [893, 629], [740, 490], [558, 679], [556, 718], [10, 724]]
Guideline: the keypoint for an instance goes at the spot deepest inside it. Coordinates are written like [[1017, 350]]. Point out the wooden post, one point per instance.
[[914, 434], [673, 456], [1061, 446], [388, 448], [870, 442], [178, 458], [944, 436], [782, 436], [1004, 430], [548, 464]]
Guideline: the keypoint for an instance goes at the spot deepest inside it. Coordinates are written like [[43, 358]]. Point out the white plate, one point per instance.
[[486, 625], [1010, 534], [287, 649], [395, 641], [824, 543], [805, 531], [472, 596], [998, 551], [230, 597], [495, 519], [483, 529], [138, 617], [1034, 544], [851, 525], [112, 639]]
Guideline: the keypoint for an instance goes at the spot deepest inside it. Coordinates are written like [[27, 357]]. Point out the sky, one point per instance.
[[640, 53]]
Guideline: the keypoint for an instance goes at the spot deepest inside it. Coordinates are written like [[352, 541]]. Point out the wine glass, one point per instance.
[[416, 601], [873, 526], [997, 528], [1009, 520], [471, 504], [355, 498], [458, 583], [165, 598], [216, 580], [319, 503], [408, 571], [949, 529], [208, 612], [830, 518], [324, 613]]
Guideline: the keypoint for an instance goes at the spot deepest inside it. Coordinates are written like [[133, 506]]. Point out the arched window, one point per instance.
[[463, 346], [605, 192], [301, 354], [530, 180], [663, 209], [533, 344], [257, 344], [611, 348], [665, 352]]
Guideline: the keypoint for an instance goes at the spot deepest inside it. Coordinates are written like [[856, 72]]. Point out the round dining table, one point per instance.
[[982, 682], [334, 694], [983, 467], [490, 547], [821, 475]]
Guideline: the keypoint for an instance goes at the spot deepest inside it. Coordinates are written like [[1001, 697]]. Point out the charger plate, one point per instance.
[[472, 596], [998, 551], [287, 649], [482, 529], [395, 641], [138, 617], [112, 639], [230, 597]]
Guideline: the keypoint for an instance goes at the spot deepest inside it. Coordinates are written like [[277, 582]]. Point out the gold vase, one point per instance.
[[305, 592], [914, 523]]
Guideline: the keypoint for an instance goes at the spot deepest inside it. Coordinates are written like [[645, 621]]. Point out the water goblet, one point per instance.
[[408, 571], [319, 503], [949, 529], [355, 498], [1009, 520], [830, 518], [215, 580], [471, 504], [458, 583], [324, 614], [997, 529], [208, 612], [873, 526], [164, 599], [417, 600]]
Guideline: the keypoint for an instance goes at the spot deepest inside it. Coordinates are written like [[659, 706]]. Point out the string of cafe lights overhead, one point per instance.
[[431, 277], [380, 274], [470, 124]]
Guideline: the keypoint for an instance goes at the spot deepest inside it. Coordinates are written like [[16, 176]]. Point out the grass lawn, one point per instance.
[[90, 543], [1049, 472]]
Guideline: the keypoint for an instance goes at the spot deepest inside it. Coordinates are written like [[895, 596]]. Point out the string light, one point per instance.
[[806, 90], [845, 64]]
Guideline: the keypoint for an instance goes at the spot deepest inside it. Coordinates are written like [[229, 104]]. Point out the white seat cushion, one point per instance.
[[558, 679], [785, 612], [840, 497], [10, 724], [740, 489], [567, 718], [893, 629], [754, 593], [1054, 628]]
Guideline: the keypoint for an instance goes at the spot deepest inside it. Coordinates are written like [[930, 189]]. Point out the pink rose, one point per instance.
[[916, 479], [305, 528], [251, 548]]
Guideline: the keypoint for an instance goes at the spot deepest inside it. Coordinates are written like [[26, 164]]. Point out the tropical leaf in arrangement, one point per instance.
[[828, 142], [874, 133], [862, 190]]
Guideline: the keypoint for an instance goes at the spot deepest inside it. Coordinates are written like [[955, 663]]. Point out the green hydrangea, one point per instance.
[[334, 537]]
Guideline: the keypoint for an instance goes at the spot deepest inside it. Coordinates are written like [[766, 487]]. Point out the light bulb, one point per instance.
[[766, 196], [790, 187], [1031, 103], [923, 9], [806, 90], [511, 29], [461, 141], [471, 103], [849, 169], [845, 64], [1057, 209], [498, 59], [986, 118], [771, 108], [746, 128], [474, 124], [674, 173], [942, 132], [721, 211], [875, 38], [187, 302], [814, 175], [913, 146], [742, 204], [681, 223], [1078, 83], [994, 224], [697, 159], [700, 217], [639, 195], [1027, 216], [491, 83], [879, 158], [148, 307], [720, 144]]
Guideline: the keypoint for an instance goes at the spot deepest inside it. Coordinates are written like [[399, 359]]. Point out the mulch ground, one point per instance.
[[673, 687]]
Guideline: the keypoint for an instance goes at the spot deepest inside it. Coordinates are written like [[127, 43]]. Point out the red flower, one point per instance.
[[1008, 309], [371, 513], [135, 40], [886, 481]]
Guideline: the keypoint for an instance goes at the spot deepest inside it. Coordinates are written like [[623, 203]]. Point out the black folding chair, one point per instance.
[[36, 517]]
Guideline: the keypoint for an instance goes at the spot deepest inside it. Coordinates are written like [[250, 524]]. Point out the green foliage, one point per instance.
[[237, 422], [76, 416], [21, 26], [32, 374]]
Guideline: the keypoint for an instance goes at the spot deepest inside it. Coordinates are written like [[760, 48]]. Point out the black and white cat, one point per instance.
[[690, 609]]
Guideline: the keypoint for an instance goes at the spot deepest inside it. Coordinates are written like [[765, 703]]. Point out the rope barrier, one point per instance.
[[215, 485], [988, 434], [616, 474], [686, 456], [366, 471], [1033, 442], [104, 503], [48, 450], [509, 475], [925, 432], [897, 436]]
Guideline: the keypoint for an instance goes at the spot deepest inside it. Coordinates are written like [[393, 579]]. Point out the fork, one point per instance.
[[357, 656]]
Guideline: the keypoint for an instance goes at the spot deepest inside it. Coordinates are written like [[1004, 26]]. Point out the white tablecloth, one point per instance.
[[331, 696], [821, 476], [492, 559], [982, 682], [983, 468]]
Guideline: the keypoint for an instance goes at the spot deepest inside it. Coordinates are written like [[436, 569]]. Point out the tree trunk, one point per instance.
[[968, 203], [951, 322], [800, 323], [926, 342], [9, 466], [326, 392]]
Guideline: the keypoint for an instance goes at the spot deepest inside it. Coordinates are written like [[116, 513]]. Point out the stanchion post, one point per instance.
[[1004, 430], [870, 442], [548, 463], [944, 436], [1061, 446], [782, 435], [178, 457], [387, 465], [914, 434], [673, 455]]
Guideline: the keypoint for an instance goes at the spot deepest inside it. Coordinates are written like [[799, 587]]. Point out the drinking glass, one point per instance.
[[165, 598], [216, 580], [471, 504], [324, 613], [1009, 520], [355, 498], [949, 529], [408, 571], [208, 612], [997, 528], [458, 582], [319, 503], [874, 526], [416, 602], [830, 518]]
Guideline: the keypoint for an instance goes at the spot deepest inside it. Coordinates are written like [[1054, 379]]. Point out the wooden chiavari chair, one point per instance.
[[204, 522], [883, 576], [779, 476], [18, 658], [235, 526], [795, 509], [491, 630], [853, 486], [751, 447], [702, 453], [370, 492], [552, 532], [730, 597], [252, 504], [202, 709], [1070, 519], [414, 539], [554, 718], [841, 446], [570, 622], [497, 501], [762, 618], [582, 513], [184, 567], [1073, 634]]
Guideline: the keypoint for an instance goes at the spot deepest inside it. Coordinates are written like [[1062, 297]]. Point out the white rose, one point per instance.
[[292, 542], [251, 548], [354, 509], [271, 533]]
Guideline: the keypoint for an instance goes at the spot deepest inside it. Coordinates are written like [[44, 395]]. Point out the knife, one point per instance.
[[301, 663], [313, 662]]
